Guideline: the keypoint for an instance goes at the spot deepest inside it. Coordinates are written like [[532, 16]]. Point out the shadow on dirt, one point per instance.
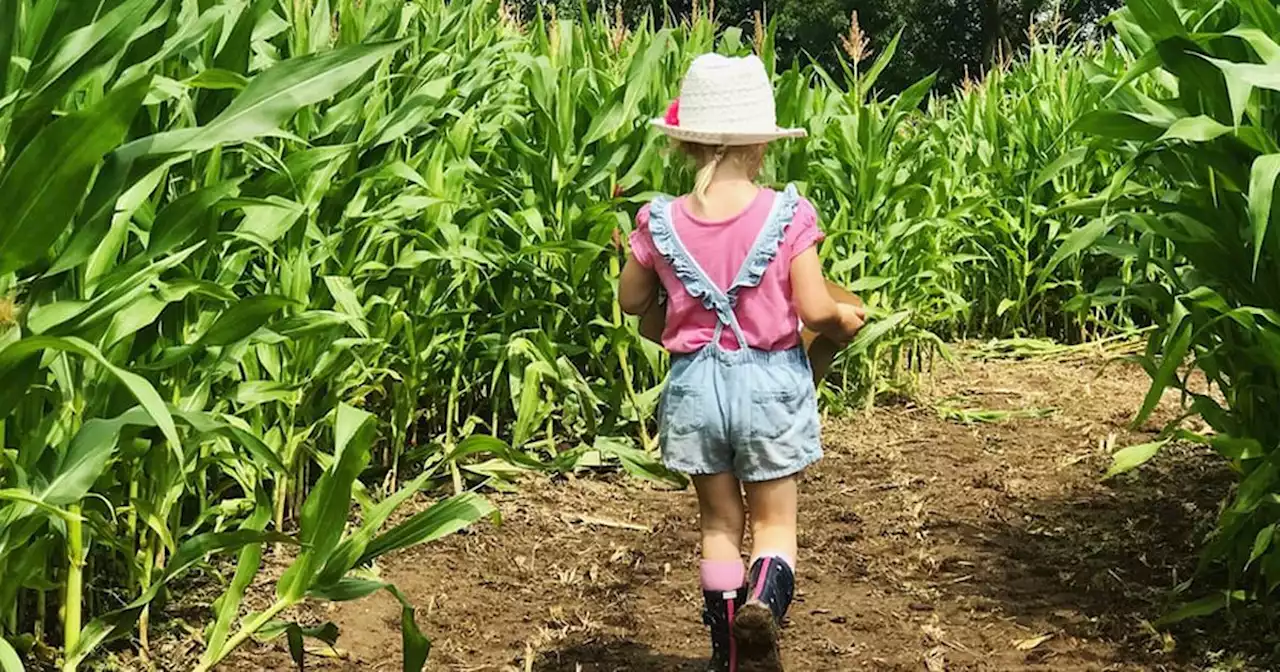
[[1102, 563], [614, 655]]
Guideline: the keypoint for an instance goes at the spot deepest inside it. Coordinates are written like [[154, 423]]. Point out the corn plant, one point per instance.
[[1210, 232], [269, 261], [1019, 171], [967, 216], [166, 375]]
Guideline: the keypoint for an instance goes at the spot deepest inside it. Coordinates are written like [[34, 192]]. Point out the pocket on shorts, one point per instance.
[[681, 410], [777, 415]]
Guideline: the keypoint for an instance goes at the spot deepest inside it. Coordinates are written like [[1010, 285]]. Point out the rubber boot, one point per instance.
[[719, 610], [771, 586]]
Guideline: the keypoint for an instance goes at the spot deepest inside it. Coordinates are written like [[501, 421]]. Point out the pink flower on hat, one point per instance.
[[673, 113]]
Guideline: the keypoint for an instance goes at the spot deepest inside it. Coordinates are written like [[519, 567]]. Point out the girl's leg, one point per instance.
[[773, 506], [723, 521], [721, 516], [771, 583]]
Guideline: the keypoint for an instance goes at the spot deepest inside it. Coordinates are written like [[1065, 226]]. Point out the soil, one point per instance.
[[935, 536]]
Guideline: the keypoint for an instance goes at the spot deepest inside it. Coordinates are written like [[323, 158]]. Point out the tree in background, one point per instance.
[[955, 38]]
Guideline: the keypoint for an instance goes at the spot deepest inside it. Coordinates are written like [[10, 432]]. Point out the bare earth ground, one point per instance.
[[928, 543]]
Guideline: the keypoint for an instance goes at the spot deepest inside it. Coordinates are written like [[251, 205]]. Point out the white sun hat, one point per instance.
[[725, 101]]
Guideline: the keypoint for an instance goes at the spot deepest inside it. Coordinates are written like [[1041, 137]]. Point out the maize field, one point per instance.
[[271, 268]]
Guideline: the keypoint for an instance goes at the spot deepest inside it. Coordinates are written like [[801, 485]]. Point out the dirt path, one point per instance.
[[927, 544]]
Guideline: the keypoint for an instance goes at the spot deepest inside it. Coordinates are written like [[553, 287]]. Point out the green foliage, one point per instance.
[[1210, 232], [975, 216], [312, 249], [172, 364]]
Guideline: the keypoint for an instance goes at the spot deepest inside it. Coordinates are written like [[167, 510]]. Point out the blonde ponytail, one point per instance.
[[705, 174]]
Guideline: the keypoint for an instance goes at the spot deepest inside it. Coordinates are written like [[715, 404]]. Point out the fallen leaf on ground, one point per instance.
[[1029, 644]]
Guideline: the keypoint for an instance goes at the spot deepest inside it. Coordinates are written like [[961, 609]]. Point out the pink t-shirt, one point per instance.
[[766, 313]]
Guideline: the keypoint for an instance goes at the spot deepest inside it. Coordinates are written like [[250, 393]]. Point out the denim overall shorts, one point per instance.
[[750, 412]]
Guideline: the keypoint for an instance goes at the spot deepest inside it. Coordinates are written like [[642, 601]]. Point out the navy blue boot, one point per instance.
[[719, 610], [771, 586]]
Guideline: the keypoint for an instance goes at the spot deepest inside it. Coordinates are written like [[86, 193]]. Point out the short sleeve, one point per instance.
[[642, 249], [804, 231]]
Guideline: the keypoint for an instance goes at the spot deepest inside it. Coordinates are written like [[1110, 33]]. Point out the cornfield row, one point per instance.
[[266, 263], [1207, 227]]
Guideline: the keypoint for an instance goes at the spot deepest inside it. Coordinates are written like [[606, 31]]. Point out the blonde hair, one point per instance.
[[709, 158]]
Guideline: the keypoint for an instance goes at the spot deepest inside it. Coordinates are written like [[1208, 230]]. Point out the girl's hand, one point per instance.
[[852, 319]]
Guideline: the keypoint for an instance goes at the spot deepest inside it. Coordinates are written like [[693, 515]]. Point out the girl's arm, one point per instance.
[[814, 304], [637, 288]]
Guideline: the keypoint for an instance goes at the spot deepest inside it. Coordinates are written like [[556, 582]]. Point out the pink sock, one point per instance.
[[722, 574]]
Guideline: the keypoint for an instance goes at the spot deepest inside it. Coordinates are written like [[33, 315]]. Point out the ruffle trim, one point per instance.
[[766, 247], [664, 240], [762, 253]]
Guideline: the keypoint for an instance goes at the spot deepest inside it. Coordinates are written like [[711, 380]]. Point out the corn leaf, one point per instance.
[[16, 353], [1065, 162], [270, 100], [1157, 17], [242, 320], [346, 589], [1195, 129], [77, 54], [8, 17], [24, 496], [45, 184], [350, 550], [416, 646], [324, 513], [178, 220], [1176, 345], [9, 661], [876, 330], [1262, 189], [91, 450], [1077, 242], [1205, 606], [1131, 457], [442, 519], [1120, 125], [227, 606], [1261, 543]]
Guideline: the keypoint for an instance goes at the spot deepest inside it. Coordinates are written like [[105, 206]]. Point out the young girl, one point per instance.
[[739, 266]]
